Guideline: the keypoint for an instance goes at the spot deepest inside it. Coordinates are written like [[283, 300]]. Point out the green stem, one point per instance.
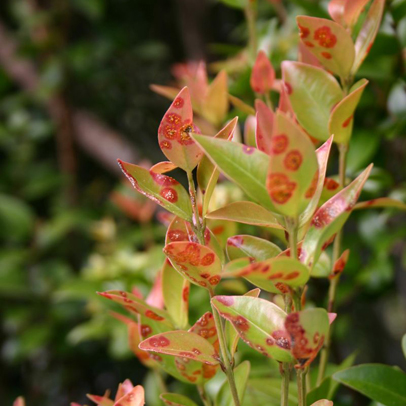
[[301, 387], [203, 395], [226, 362], [333, 282], [250, 15], [196, 224]]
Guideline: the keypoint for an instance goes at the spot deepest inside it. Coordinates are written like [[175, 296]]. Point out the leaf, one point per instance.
[[323, 402], [329, 42], [261, 391], [264, 129], [262, 75], [240, 246], [249, 131], [20, 401], [241, 374], [367, 34], [274, 274], [206, 328], [197, 263], [330, 217], [163, 167], [313, 93], [207, 173], [245, 166], [182, 344], [175, 289], [340, 264], [241, 105], [322, 154], [174, 133], [381, 383], [380, 202], [216, 103], [258, 322], [346, 12], [342, 116], [404, 345], [175, 399], [293, 168], [322, 267], [162, 189], [308, 329], [246, 213], [166, 91], [133, 398]]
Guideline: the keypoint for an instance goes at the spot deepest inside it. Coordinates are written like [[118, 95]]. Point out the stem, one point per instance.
[[226, 363], [203, 395], [250, 15], [286, 365], [268, 100], [196, 224], [333, 282], [301, 387]]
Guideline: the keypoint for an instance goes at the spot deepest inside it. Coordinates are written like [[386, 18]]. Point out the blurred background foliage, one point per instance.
[[74, 97]]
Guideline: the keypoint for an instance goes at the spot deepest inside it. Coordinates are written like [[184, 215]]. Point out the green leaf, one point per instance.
[[174, 133], [207, 173], [245, 166], [258, 322], [329, 42], [240, 105], [342, 117], [183, 344], [161, 189], [292, 174], [174, 399], [379, 203], [330, 218], [175, 290], [381, 383], [404, 345], [313, 93], [367, 34], [240, 246], [246, 213], [274, 273], [241, 374], [197, 263], [261, 391], [308, 330]]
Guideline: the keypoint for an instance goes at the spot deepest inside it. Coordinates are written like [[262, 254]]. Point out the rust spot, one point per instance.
[[177, 235], [173, 118], [169, 194], [214, 280], [347, 122], [279, 143], [326, 55], [145, 330], [248, 150], [325, 37], [241, 323], [163, 180], [288, 88], [293, 160], [225, 300], [313, 186], [304, 32], [151, 315], [207, 260], [185, 293], [178, 103], [309, 44], [165, 145], [291, 275], [282, 339]]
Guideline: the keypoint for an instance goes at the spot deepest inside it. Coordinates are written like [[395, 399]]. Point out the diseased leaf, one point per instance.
[[346, 12], [197, 263], [380, 202], [342, 116], [329, 219], [216, 103], [293, 168], [313, 93], [161, 189], [207, 173], [246, 166], [240, 246], [265, 124], [206, 328], [175, 289], [175, 399], [262, 75], [134, 398], [182, 344], [367, 34], [329, 42], [322, 154], [246, 213], [381, 383], [340, 264], [308, 329], [241, 374], [174, 133], [163, 167], [258, 322], [274, 274]]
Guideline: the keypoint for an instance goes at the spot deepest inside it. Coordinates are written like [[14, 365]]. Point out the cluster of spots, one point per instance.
[[330, 211], [313, 186], [330, 184], [176, 235], [279, 143], [304, 32], [191, 255], [293, 160], [191, 370], [264, 269], [325, 37], [155, 357], [280, 187], [347, 122], [283, 288], [280, 338], [248, 150], [158, 342], [205, 327], [145, 330], [303, 350]]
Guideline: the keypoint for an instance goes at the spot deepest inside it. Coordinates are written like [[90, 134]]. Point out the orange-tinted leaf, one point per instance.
[[367, 34], [293, 166], [161, 189], [329, 42], [381, 202], [340, 264], [163, 167], [133, 398], [166, 91], [240, 105], [19, 401], [215, 105], [197, 263], [265, 124], [342, 116], [346, 12], [174, 133], [262, 75]]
